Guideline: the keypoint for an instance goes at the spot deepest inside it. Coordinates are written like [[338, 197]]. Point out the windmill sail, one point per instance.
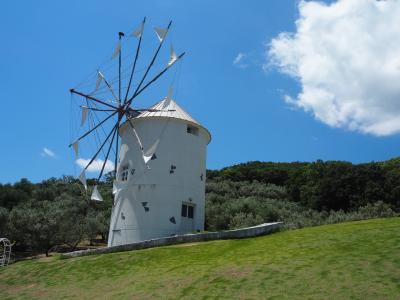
[[168, 99], [76, 146], [98, 80], [137, 137], [96, 195], [172, 57], [116, 188], [138, 32], [161, 33], [84, 114], [149, 153], [117, 50], [82, 179]]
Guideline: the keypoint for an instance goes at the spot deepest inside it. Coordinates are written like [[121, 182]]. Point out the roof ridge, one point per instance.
[[177, 113]]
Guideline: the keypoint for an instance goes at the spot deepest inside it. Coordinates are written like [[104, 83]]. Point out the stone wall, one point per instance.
[[258, 230]]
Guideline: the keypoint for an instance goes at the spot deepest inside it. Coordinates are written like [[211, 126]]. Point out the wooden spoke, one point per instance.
[[108, 151], [118, 107], [92, 98], [150, 65], [101, 147], [134, 63], [93, 129], [136, 134], [120, 35], [116, 154], [109, 87], [155, 78], [97, 109]]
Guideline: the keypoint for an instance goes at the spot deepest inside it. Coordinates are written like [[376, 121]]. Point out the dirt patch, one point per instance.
[[236, 272]]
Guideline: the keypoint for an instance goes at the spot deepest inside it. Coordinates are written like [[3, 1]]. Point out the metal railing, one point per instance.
[[5, 252]]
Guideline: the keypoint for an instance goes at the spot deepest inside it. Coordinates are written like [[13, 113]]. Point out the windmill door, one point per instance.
[[187, 217]]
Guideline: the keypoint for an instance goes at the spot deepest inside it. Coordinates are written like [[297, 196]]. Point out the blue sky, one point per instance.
[[50, 46]]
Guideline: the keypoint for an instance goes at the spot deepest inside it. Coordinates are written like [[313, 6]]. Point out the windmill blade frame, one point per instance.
[[119, 111]]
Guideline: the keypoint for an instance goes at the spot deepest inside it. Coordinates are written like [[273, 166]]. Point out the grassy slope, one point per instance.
[[359, 260]]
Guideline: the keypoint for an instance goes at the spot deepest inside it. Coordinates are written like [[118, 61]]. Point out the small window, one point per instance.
[[184, 210], [125, 173], [190, 211], [192, 130], [187, 211], [172, 169]]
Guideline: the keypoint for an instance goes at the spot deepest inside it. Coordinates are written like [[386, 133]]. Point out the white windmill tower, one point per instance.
[[159, 166], [161, 193]]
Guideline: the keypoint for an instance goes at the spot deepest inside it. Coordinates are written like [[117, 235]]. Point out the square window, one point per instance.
[[124, 173]]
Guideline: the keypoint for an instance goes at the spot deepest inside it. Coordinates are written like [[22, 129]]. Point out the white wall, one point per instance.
[[163, 192]]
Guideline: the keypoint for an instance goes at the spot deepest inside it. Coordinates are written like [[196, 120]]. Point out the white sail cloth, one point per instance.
[[75, 146], [172, 56], [96, 196], [82, 178], [168, 98], [117, 50], [161, 33], [150, 152], [98, 80], [84, 114], [139, 31], [116, 187]]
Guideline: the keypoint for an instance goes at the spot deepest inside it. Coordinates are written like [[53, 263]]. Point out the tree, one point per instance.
[[4, 215], [37, 224]]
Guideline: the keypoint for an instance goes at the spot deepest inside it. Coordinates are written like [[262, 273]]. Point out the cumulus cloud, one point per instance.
[[239, 61], [346, 57], [46, 152], [96, 165]]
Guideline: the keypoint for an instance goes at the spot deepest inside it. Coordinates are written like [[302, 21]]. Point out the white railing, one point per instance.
[[5, 252]]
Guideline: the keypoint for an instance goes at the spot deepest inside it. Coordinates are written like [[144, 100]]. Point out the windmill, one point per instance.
[[159, 164]]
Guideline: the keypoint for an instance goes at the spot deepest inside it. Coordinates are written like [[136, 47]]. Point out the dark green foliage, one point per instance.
[[301, 194], [230, 208], [57, 211], [52, 213], [323, 186], [37, 224], [232, 204], [4, 215]]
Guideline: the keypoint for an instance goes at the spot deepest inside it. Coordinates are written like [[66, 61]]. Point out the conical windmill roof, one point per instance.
[[170, 110]]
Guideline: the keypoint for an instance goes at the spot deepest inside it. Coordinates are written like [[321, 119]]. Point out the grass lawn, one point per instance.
[[357, 260]]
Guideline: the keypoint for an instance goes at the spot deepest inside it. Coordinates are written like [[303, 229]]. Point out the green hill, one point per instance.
[[357, 260]]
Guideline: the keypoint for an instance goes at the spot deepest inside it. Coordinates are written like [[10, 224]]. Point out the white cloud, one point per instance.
[[239, 61], [346, 56], [238, 58], [96, 165], [46, 152]]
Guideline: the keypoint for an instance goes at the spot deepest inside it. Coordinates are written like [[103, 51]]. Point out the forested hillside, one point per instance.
[[302, 194], [57, 212]]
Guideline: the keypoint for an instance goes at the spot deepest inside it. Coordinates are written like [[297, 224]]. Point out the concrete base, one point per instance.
[[258, 230]]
